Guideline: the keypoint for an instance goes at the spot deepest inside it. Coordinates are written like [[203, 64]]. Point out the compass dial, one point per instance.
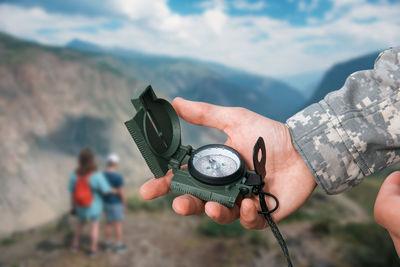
[[216, 164]]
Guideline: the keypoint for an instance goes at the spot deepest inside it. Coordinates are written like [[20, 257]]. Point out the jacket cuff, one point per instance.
[[325, 147]]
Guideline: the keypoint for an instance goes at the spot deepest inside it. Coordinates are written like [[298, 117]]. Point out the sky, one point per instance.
[[274, 38]]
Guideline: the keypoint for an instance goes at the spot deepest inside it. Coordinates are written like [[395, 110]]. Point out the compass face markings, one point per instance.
[[216, 162]]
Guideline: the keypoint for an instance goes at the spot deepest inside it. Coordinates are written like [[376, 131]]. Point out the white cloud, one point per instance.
[[212, 4], [303, 6], [245, 5], [140, 9], [257, 44], [26, 23]]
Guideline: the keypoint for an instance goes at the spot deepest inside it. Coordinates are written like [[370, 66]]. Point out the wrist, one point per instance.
[[296, 159]]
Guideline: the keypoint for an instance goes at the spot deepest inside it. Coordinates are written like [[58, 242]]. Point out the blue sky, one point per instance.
[[278, 9], [270, 37]]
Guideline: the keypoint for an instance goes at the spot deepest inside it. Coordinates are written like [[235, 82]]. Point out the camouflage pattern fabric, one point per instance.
[[355, 131]]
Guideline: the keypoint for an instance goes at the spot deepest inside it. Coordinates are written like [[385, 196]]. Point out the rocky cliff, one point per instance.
[[52, 103]]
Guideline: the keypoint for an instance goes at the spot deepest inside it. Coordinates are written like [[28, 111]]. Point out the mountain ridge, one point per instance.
[[239, 80]]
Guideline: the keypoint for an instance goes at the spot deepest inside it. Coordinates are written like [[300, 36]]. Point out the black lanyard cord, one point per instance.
[[256, 180], [274, 228]]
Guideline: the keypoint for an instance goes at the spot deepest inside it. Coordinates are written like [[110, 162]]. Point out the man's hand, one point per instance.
[[387, 207], [288, 178]]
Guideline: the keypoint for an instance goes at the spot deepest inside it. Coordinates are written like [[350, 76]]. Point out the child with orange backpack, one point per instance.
[[87, 186]]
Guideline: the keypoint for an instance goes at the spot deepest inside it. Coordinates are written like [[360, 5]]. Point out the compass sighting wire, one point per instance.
[[157, 130]]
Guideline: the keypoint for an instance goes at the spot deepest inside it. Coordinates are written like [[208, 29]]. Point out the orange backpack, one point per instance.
[[83, 194]]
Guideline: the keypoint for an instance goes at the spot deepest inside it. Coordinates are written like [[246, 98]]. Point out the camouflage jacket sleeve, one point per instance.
[[355, 131]]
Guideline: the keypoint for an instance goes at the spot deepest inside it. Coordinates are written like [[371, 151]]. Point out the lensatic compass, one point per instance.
[[214, 172]]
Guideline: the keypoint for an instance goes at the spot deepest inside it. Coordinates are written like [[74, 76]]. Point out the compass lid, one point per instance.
[[155, 129]]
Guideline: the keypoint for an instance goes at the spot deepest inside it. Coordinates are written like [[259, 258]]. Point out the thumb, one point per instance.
[[386, 210], [204, 114]]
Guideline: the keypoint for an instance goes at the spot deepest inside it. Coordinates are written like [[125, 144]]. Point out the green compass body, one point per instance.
[[214, 172]]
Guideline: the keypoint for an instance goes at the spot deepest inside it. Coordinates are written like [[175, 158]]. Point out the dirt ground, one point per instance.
[[163, 238]]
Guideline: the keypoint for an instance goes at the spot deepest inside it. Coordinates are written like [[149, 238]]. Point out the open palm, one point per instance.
[[288, 178]]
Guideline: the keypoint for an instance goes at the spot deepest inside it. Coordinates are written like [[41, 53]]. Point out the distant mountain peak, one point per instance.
[[336, 76], [79, 44]]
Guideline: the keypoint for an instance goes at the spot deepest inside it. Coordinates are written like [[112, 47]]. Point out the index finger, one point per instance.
[[156, 187], [204, 114]]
